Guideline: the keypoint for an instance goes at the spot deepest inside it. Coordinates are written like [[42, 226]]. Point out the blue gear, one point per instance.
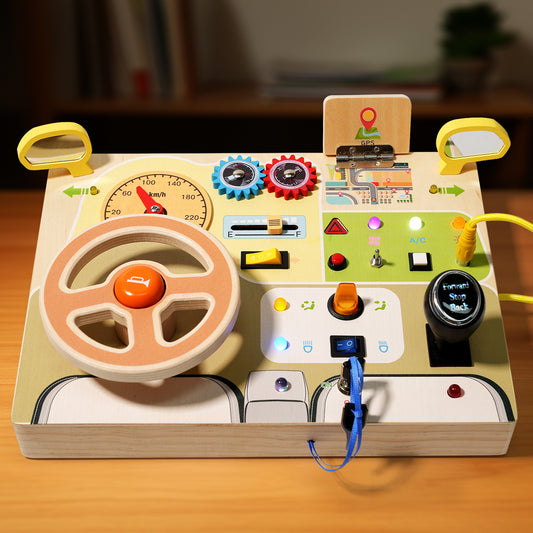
[[252, 178]]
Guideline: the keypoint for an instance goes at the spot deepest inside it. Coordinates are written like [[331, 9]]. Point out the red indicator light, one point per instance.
[[455, 391]]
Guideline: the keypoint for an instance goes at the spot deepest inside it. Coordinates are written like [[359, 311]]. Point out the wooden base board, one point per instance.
[[394, 332], [256, 440]]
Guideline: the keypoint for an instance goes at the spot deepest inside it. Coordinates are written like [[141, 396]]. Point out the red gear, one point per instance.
[[303, 188]]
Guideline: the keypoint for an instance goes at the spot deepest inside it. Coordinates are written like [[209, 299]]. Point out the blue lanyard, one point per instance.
[[354, 440]]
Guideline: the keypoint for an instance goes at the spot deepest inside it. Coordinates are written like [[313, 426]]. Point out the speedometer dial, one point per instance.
[[163, 193]]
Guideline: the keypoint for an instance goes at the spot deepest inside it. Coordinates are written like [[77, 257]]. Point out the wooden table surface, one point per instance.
[[371, 494]]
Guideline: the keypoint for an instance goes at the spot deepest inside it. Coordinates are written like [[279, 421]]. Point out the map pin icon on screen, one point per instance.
[[368, 117]]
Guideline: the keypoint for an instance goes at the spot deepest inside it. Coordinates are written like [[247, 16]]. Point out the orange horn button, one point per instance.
[[139, 286], [345, 301]]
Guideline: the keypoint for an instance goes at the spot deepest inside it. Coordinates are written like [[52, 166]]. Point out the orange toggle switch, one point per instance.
[[139, 286], [346, 301]]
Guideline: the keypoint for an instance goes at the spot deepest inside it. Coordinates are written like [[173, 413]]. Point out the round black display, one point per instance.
[[457, 295]]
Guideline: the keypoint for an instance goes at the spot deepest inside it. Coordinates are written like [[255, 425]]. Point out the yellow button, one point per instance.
[[345, 301], [139, 286], [267, 257], [280, 304]]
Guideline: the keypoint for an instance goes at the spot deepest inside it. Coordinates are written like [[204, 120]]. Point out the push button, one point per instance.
[[139, 286], [337, 261], [419, 261]]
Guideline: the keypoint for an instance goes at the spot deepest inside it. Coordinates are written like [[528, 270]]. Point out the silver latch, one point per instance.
[[365, 156]]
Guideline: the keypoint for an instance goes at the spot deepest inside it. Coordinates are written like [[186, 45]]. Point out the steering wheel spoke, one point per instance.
[[92, 296]]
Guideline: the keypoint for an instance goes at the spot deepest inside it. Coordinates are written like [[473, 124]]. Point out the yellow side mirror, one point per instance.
[[56, 145], [465, 140]]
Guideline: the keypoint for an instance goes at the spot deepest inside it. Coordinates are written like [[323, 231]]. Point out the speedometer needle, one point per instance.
[[151, 205]]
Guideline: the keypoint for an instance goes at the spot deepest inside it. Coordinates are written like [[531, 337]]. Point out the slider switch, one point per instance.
[[345, 304]]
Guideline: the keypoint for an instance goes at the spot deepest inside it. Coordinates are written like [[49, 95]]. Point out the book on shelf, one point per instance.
[[119, 48]]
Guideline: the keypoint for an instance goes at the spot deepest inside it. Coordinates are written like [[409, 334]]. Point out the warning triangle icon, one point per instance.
[[335, 227]]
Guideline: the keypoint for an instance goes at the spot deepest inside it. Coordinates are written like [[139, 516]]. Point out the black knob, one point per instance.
[[454, 306]]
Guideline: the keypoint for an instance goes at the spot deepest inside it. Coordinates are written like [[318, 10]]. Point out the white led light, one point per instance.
[[415, 223]]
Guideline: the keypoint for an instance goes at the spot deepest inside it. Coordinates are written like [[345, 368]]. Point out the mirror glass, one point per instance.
[[55, 149], [472, 143]]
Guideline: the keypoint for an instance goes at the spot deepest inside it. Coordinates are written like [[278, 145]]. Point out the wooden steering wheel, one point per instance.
[[146, 354]]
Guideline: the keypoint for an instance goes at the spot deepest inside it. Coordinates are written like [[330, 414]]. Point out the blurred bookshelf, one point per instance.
[[150, 99]]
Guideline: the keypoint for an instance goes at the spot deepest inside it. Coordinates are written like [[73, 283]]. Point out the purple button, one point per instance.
[[281, 385], [374, 223]]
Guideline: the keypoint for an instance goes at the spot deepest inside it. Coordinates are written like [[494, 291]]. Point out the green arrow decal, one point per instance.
[[451, 190], [71, 191]]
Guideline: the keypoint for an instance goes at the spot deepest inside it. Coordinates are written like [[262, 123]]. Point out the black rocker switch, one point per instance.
[[454, 306]]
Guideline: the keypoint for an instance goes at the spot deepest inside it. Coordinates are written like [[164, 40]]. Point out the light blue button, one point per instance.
[[281, 344]]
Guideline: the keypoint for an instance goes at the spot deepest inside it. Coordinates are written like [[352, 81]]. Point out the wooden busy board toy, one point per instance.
[[187, 305]]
